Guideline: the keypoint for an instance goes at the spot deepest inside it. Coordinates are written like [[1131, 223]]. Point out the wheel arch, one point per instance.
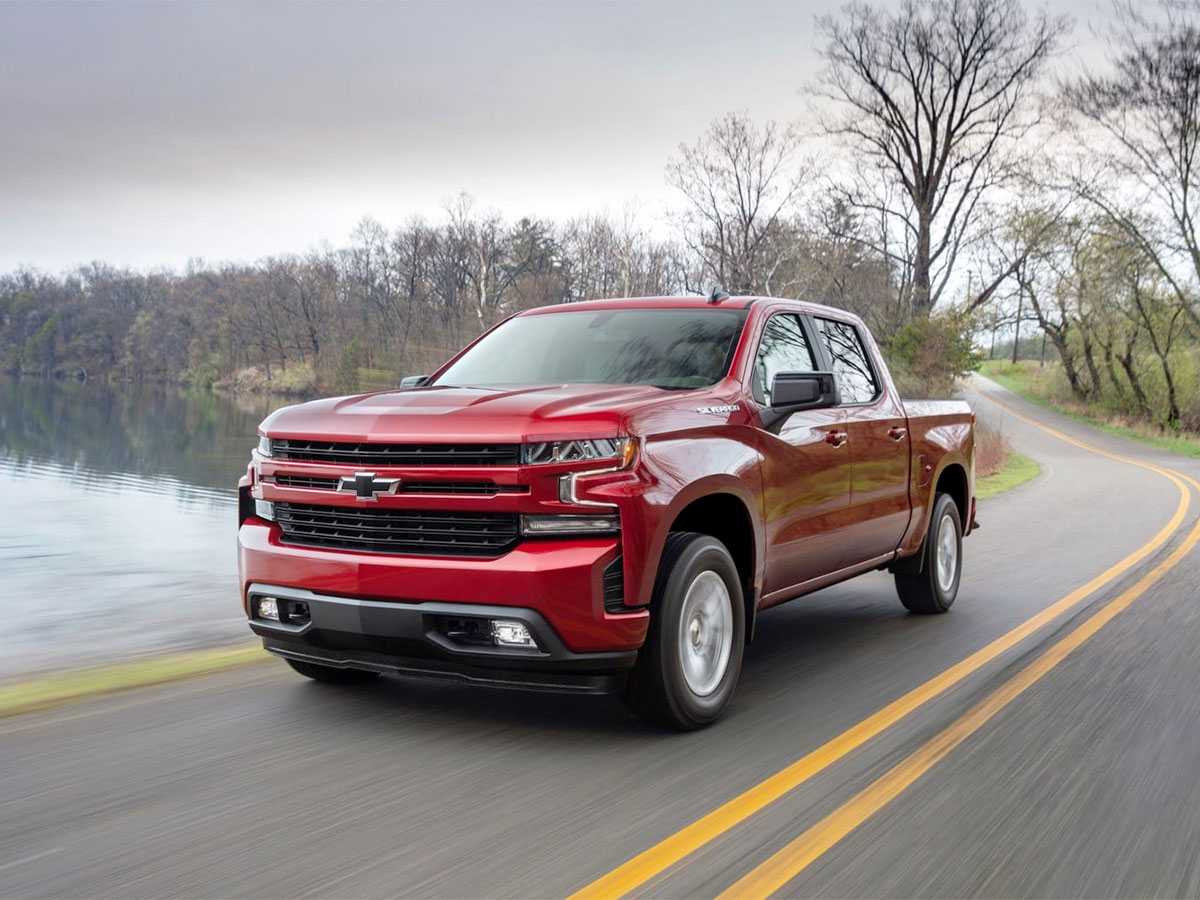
[[725, 515], [952, 479]]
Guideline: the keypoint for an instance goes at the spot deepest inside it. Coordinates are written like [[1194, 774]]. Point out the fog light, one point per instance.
[[512, 634], [265, 509], [268, 608]]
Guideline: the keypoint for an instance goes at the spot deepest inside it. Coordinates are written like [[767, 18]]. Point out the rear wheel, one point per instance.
[[688, 667], [933, 589], [330, 674]]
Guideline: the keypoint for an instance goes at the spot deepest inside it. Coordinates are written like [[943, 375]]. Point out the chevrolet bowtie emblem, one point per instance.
[[365, 486]]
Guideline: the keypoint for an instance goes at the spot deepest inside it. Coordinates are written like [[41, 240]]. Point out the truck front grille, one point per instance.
[[409, 532], [305, 481], [479, 488], [397, 454]]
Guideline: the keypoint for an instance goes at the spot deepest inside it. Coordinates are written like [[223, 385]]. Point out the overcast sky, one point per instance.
[[145, 134]]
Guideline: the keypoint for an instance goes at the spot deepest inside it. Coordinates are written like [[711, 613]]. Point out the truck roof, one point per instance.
[[687, 301]]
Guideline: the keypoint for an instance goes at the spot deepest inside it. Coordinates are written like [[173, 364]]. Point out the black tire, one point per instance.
[[329, 674], [659, 690], [930, 591]]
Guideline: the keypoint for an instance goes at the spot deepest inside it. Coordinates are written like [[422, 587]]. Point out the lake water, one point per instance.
[[118, 512]]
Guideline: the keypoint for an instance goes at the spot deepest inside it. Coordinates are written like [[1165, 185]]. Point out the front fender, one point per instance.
[[675, 473]]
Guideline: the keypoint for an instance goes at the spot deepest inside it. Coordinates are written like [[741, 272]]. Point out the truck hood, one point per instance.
[[468, 415]]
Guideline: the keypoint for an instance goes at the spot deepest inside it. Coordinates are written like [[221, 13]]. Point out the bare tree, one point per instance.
[[478, 249], [739, 182], [938, 93], [1053, 272], [1149, 108], [839, 261], [301, 293]]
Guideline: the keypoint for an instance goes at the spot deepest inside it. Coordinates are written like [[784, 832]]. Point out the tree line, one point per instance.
[[952, 185], [390, 301], [1102, 247]]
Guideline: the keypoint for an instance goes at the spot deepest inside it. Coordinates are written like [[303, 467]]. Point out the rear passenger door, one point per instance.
[[806, 474], [878, 443]]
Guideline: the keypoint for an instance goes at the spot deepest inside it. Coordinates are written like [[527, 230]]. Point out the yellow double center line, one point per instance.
[[780, 868]]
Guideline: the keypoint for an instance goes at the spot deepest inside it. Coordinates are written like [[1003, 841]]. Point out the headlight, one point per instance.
[[620, 450], [264, 445], [537, 526]]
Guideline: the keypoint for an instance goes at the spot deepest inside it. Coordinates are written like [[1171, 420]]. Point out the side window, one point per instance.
[[783, 348], [856, 380]]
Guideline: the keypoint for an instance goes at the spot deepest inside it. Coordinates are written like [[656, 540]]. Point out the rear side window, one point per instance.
[[784, 348], [856, 379]]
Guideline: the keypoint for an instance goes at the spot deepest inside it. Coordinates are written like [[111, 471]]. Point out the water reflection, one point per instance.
[[116, 520]]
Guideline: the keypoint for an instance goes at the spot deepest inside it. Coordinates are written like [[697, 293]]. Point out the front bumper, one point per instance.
[[414, 639], [562, 581]]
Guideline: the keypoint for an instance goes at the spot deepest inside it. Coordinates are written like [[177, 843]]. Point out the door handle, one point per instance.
[[837, 438], [897, 434]]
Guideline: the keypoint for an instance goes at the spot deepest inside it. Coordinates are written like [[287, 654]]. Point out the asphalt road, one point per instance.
[[1087, 783]]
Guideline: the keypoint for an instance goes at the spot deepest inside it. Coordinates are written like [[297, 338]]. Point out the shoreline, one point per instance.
[[52, 689]]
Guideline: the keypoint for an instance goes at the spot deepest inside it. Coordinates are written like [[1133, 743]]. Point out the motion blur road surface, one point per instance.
[[259, 783]]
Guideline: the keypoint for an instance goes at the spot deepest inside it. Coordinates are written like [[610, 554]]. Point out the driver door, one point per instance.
[[805, 468]]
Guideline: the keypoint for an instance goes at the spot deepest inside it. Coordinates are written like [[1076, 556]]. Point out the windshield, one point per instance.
[[675, 349]]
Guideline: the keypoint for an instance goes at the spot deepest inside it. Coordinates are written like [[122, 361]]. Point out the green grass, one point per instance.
[[83, 684], [1016, 470], [1027, 382]]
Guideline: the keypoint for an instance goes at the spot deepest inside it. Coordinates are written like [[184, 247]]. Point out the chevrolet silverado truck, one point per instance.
[[601, 497]]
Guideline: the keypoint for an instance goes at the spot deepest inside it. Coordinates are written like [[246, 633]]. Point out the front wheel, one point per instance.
[[933, 589], [688, 667]]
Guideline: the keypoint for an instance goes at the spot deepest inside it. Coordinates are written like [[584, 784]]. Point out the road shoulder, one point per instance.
[[75, 685]]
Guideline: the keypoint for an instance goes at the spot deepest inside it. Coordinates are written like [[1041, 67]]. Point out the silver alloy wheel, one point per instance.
[[705, 633], [947, 554]]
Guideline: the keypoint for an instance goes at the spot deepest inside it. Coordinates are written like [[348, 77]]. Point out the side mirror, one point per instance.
[[795, 391], [412, 381]]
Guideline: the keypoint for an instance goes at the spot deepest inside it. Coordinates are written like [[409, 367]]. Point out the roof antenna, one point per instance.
[[717, 295]]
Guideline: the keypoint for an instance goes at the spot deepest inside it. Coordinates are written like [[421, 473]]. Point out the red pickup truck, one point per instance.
[[601, 497]]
